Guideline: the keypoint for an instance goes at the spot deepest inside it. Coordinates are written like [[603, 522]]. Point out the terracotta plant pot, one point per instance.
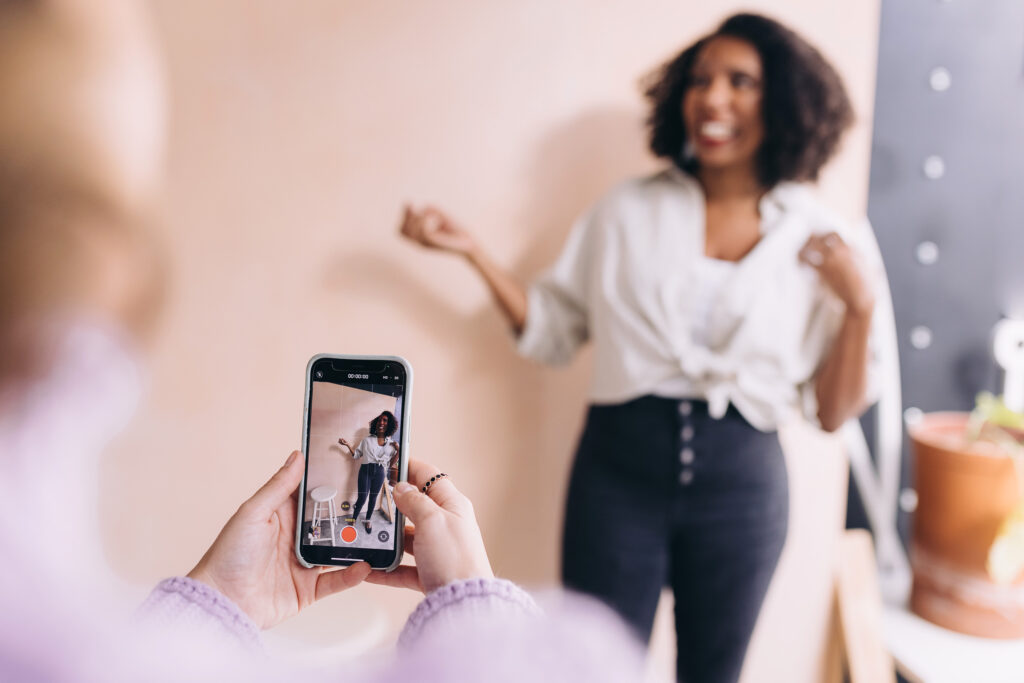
[[965, 490]]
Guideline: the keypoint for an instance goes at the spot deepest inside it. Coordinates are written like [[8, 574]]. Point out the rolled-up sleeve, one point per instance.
[[557, 317], [360, 452]]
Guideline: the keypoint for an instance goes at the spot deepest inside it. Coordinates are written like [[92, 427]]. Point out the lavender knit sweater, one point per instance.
[[473, 630], [190, 606]]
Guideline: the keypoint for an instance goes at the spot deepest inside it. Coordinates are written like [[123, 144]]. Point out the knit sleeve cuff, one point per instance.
[[184, 603], [452, 604]]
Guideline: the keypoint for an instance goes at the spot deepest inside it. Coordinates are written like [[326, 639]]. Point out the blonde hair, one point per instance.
[[80, 138], [66, 252]]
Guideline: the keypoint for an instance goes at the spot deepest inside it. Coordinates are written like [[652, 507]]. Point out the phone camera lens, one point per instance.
[[319, 374]]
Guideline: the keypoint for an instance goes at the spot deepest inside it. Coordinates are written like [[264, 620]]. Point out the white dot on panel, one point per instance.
[[927, 253], [912, 415], [908, 500], [940, 79], [921, 337], [934, 167]]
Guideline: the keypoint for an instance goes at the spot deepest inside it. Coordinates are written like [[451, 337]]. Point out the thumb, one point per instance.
[[280, 487], [413, 504]]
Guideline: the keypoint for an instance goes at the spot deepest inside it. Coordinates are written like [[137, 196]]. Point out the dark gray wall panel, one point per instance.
[[974, 212]]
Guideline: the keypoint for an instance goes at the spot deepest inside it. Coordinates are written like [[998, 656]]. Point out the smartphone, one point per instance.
[[355, 440]]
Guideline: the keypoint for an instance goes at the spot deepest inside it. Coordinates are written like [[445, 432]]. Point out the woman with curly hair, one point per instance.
[[376, 453], [721, 298]]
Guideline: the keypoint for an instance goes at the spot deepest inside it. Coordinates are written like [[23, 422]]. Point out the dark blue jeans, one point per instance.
[[663, 494], [371, 478]]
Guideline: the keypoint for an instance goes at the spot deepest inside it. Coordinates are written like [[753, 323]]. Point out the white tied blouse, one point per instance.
[[372, 453], [630, 277]]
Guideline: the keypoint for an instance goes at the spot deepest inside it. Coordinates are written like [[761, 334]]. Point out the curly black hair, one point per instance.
[[392, 424], [805, 107]]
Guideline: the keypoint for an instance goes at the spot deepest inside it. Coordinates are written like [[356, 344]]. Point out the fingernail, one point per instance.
[[404, 487], [291, 458]]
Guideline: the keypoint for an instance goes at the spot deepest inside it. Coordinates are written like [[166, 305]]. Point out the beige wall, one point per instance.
[[297, 130], [338, 411]]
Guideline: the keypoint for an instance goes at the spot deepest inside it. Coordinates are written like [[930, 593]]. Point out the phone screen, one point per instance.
[[356, 418]]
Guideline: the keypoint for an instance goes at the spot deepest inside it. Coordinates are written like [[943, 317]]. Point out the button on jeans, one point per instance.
[[663, 494]]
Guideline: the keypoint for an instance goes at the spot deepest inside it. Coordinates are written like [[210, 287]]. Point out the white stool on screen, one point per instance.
[[323, 510]]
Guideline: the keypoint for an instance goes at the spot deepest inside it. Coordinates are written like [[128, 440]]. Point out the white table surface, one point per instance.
[[931, 654]]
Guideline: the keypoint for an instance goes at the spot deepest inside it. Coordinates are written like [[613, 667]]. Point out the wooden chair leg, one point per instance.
[[859, 603], [386, 503]]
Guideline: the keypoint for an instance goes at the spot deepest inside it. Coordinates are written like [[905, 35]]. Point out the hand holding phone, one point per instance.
[[252, 562], [445, 537]]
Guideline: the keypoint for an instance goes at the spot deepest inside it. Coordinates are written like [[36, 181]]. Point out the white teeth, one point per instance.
[[716, 130]]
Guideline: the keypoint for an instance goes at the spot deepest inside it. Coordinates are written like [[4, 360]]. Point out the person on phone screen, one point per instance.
[[376, 453], [722, 297]]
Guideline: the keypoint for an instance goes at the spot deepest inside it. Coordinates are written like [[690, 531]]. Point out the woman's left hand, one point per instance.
[[835, 263], [253, 561]]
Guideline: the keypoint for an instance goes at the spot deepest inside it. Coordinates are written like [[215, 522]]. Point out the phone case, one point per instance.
[[402, 461]]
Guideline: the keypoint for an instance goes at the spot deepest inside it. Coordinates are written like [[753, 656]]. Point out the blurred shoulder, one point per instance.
[[817, 217], [803, 200], [642, 193]]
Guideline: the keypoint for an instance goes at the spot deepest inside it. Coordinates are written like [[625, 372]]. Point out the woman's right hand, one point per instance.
[[445, 538], [431, 228]]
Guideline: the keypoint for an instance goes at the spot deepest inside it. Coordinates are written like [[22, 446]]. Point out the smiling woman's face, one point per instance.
[[722, 106]]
